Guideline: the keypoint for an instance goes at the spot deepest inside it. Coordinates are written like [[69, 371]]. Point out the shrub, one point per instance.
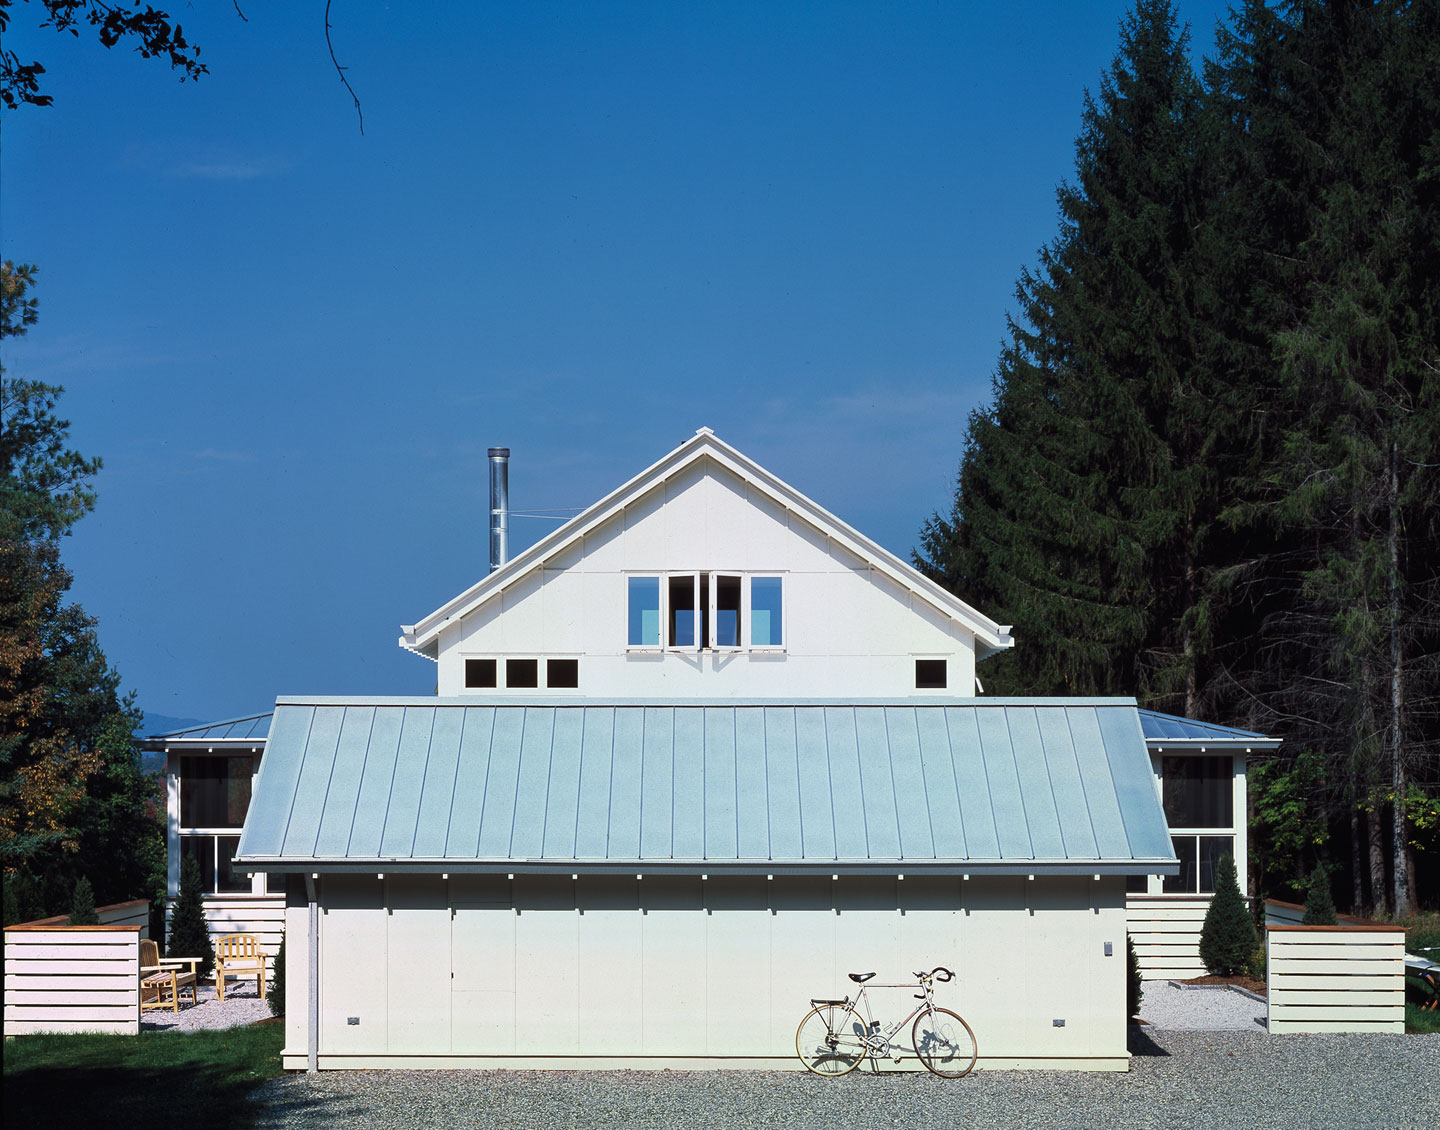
[[82, 904], [276, 997], [1134, 989], [1319, 906], [1258, 963], [1227, 939], [189, 936]]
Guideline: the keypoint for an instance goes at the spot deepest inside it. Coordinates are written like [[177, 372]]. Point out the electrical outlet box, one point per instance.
[[1109, 949], [352, 1020], [1058, 1023]]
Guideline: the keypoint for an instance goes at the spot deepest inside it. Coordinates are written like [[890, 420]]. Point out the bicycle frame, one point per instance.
[[876, 1030]]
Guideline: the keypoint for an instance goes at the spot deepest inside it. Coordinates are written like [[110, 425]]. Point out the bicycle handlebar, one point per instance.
[[921, 975]]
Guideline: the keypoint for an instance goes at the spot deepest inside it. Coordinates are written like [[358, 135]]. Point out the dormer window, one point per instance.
[[705, 611]]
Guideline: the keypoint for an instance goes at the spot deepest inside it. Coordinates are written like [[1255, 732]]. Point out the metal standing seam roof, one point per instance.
[[254, 727], [1038, 786], [1171, 727]]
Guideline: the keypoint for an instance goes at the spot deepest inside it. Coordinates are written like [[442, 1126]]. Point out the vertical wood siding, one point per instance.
[[72, 979], [1336, 978], [615, 971]]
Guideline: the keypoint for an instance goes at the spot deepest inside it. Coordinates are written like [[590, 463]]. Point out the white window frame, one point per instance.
[[662, 585], [709, 640], [747, 605], [1155, 884], [741, 634]]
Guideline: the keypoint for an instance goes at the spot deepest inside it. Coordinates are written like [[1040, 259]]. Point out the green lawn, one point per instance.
[[153, 1081]]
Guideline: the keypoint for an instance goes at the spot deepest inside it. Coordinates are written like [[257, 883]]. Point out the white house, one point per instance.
[[694, 757]]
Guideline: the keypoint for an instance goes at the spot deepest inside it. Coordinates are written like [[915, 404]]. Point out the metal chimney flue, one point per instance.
[[499, 507]]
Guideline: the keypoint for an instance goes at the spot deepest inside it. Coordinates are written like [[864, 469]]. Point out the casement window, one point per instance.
[[1199, 799], [214, 797], [705, 611], [522, 674]]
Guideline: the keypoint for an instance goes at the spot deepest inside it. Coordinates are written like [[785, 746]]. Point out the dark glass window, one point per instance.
[[930, 674], [1199, 856], [684, 616], [1198, 792], [480, 672], [562, 673], [1137, 884], [214, 855], [522, 672], [214, 791], [727, 611]]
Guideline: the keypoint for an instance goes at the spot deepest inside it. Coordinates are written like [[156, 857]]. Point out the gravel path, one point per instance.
[[241, 1006], [1178, 1081], [1172, 1008]]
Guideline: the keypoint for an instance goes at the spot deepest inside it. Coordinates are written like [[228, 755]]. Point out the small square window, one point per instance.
[[522, 672], [930, 674], [562, 673], [480, 672]]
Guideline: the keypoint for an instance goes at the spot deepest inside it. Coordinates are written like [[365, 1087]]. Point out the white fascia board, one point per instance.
[[423, 637], [1226, 745], [1083, 868]]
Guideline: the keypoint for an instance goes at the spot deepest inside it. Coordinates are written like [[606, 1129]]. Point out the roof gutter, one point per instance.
[[768, 868]]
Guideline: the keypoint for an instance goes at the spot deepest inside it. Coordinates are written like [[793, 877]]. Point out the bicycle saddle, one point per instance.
[[861, 978]]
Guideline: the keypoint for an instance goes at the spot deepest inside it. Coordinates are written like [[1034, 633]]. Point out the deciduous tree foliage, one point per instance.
[[1210, 474], [70, 782]]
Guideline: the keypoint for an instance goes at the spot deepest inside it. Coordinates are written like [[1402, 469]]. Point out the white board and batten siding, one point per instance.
[[685, 972], [1336, 978], [72, 979]]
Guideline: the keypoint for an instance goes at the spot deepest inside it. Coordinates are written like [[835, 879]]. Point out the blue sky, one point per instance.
[[578, 230]]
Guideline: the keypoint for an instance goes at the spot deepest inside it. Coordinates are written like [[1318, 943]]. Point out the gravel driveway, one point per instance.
[[1178, 1080]]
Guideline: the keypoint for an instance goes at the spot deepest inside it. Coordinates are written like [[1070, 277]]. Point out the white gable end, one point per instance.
[[745, 589]]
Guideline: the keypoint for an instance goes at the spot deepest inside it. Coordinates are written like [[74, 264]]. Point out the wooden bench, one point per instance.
[[162, 979], [239, 955]]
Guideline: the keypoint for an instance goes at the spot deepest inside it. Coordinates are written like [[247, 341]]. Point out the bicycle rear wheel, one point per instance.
[[831, 1040], [944, 1043]]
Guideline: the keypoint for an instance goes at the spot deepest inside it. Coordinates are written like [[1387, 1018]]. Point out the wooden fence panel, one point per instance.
[[1335, 978], [72, 979]]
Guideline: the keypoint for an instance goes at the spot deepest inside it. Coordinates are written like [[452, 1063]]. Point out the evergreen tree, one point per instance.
[[189, 934], [276, 997], [1227, 936], [1134, 986], [70, 780], [82, 905], [1319, 906]]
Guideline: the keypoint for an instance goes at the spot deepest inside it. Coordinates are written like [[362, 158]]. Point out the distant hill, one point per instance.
[[164, 724]]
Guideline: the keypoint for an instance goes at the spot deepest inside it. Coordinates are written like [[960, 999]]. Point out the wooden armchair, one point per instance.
[[162, 979], [239, 955]]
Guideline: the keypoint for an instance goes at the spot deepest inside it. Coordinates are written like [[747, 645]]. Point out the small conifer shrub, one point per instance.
[[276, 997], [1227, 939], [82, 904], [189, 936], [1134, 989], [1319, 906]]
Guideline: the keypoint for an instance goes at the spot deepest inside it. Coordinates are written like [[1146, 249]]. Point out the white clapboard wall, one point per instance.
[[1166, 933], [1336, 978], [72, 979]]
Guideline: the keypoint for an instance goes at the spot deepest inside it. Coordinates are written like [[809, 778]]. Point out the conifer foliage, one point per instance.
[[189, 934], [1319, 904], [1207, 476], [82, 905], [1227, 937]]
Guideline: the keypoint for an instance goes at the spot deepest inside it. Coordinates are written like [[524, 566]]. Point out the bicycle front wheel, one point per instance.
[[944, 1043], [831, 1040]]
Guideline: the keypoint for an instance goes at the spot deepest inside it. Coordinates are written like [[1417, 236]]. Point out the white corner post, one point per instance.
[[312, 1027]]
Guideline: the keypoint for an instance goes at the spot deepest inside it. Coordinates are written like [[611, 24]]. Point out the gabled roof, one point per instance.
[[1172, 731], [253, 728], [989, 786], [990, 637]]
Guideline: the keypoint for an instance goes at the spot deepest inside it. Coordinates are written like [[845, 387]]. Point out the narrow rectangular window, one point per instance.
[[684, 613], [215, 791], [929, 674], [522, 673], [480, 672], [726, 590], [766, 612], [562, 673], [644, 612], [1198, 792]]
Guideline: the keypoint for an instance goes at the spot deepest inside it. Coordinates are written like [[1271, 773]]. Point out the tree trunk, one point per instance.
[[1404, 898], [1376, 843], [1357, 880]]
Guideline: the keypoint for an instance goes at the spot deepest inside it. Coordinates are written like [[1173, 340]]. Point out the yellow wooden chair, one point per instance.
[[163, 979], [239, 955]]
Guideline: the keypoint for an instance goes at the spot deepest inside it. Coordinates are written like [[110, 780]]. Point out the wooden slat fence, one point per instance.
[[1336, 978], [72, 979]]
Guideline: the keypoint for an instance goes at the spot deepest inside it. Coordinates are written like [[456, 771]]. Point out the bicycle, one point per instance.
[[832, 1039]]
